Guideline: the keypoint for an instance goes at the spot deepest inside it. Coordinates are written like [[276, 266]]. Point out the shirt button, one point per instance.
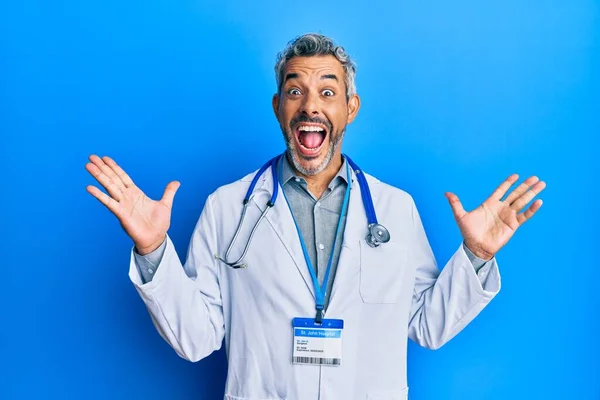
[[150, 271], [297, 179], [318, 204], [321, 246]]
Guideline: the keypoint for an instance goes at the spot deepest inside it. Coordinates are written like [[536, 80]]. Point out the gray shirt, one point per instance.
[[316, 218]]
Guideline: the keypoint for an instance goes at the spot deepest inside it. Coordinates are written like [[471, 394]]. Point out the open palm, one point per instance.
[[145, 220], [490, 226]]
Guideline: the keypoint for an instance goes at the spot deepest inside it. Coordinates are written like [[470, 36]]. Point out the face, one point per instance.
[[313, 111]]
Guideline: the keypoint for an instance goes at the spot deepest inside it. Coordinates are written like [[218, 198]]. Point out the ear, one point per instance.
[[275, 104], [353, 107]]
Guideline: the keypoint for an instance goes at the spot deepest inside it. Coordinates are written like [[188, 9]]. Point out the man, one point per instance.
[[308, 261]]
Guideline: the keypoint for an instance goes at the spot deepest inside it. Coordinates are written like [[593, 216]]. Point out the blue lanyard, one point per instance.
[[320, 291]]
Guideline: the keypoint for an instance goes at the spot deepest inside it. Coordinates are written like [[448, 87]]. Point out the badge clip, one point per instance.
[[319, 316]]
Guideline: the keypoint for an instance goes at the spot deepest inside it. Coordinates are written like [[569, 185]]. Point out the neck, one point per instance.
[[317, 184]]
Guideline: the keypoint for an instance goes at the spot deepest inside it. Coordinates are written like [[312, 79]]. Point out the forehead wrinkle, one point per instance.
[[307, 67]]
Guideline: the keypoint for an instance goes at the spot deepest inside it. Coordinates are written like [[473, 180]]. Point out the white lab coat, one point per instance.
[[384, 295]]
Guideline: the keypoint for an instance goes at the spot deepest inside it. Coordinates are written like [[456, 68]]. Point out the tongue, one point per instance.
[[312, 140]]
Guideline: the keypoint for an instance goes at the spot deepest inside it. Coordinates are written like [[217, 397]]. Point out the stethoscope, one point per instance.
[[377, 234]]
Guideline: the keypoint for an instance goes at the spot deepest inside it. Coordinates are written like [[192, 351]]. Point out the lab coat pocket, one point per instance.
[[381, 272], [398, 394]]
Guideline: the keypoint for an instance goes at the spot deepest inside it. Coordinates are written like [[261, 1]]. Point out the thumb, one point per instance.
[[456, 205], [169, 194]]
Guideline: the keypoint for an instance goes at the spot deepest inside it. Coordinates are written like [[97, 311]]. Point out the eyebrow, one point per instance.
[[329, 76], [289, 76], [294, 75]]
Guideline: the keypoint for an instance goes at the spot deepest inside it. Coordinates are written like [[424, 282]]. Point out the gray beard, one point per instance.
[[333, 146]]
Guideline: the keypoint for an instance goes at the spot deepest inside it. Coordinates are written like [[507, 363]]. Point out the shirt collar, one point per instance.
[[288, 173]]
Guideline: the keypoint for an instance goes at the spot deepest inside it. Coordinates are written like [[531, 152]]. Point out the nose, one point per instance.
[[310, 105]]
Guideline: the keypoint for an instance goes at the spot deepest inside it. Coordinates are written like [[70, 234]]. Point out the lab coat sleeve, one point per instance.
[[147, 264], [445, 302], [477, 262], [184, 301]]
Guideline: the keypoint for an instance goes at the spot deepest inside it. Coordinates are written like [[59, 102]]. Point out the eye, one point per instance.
[[294, 92], [328, 93]]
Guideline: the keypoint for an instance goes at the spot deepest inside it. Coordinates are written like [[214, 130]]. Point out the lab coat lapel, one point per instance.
[[354, 231], [281, 220]]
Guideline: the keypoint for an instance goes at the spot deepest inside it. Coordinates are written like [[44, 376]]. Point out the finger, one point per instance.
[[105, 199], [118, 171], [104, 180], [523, 217], [169, 194], [106, 170], [522, 188], [522, 201], [456, 205], [504, 186]]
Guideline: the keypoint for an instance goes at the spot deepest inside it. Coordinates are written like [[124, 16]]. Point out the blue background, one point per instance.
[[455, 96]]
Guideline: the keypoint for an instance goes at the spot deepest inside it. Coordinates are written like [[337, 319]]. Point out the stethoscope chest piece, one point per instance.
[[378, 234]]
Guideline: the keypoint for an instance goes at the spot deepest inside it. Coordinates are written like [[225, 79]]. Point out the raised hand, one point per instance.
[[145, 220], [490, 226]]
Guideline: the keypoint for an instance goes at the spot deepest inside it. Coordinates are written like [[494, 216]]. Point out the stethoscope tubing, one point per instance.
[[364, 191]]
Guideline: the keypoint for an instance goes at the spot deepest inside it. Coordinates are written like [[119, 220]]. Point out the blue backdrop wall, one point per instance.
[[456, 96]]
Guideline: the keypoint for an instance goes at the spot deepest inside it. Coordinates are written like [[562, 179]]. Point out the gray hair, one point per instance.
[[314, 44]]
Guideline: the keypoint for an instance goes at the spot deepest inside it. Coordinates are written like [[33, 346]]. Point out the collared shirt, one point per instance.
[[317, 218]]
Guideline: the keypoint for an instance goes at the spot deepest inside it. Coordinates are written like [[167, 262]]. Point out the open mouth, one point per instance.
[[310, 138]]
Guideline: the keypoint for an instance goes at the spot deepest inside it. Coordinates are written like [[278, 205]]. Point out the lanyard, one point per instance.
[[320, 291]]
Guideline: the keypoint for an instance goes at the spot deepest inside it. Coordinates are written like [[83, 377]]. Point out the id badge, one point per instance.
[[317, 344]]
